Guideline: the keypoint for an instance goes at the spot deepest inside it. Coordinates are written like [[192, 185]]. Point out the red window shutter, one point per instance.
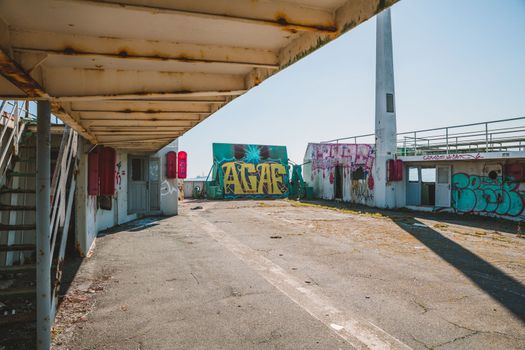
[[93, 173], [107, 161], [399, 170], [171, 165], [183, 158]]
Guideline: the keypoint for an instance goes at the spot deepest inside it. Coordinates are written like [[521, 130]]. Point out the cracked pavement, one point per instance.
[[215, 279]]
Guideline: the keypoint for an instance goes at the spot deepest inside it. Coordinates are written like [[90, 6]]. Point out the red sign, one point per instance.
[[171, 165], [183, 158]]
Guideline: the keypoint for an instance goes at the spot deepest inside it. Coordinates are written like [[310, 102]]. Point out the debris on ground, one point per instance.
[[275, 237], [196, 208]]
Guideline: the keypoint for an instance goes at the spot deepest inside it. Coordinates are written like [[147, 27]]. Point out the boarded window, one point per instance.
[[390, 103], [413, 174]]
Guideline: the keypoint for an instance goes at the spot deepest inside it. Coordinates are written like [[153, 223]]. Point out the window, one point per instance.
[[137, 169], [413, 175], [390, 103], [443, 175], [428, 174]]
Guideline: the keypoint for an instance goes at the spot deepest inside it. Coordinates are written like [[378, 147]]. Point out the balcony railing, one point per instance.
[[492, 136]]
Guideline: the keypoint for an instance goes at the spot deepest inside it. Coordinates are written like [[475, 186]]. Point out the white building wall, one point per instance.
[[89, 219], [319, 171], [473, 191], [169, 189]]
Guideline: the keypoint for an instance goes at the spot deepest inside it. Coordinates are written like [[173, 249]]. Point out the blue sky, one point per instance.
[[455, 62]]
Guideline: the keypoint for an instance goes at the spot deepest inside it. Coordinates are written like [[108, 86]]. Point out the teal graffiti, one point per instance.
[[482, 194]]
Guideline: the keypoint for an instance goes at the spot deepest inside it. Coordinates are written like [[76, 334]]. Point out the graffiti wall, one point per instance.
[[251, 171], [347, 166], [499, 195]]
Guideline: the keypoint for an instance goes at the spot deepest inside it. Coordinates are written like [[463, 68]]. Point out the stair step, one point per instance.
[[17, 268], [8, 207], [26, 227], [16, 292], [17, 318], [17, 247], [19, 174], [15, 190]]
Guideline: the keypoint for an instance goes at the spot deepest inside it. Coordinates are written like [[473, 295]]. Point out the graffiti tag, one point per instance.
[[242, 178], [481, 194], [167, 189], [453, 157]]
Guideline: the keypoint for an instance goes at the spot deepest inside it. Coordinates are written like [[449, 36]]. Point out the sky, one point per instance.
[[455, 62]]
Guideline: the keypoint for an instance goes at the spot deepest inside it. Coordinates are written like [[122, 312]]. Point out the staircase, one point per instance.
[[18, 217]]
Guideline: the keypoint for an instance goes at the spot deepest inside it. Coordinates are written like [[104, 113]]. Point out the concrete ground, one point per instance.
[[282, 275]]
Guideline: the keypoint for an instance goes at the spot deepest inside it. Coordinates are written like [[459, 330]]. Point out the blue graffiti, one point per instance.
[[481, 194]]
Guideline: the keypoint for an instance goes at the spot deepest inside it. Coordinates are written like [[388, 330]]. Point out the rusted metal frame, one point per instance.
[[150, 95], [63, 239], [280, 20], [148, 111], [60, 112], [155, 140], [129, 56], [64, 172], [13, 137], [124, 47], [10, 70]]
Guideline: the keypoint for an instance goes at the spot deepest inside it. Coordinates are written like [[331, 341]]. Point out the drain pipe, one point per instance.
[[43, 245]]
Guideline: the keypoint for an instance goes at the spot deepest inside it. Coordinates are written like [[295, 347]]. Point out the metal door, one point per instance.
[[443, 195], [138, 194], [413, 186], [154, 184]]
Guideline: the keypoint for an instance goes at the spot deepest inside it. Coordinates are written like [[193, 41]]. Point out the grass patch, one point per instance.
[[341, 210], [441, 226]]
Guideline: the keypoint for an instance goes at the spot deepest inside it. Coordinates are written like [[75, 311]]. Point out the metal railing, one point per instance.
[[12, 125], [491, 136]]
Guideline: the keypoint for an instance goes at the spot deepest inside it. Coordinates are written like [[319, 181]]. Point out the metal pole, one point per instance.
[[486, 137], [43, 260], [446, 133]]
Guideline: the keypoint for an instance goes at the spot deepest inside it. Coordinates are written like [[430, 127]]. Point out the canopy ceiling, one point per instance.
[[135, 74]]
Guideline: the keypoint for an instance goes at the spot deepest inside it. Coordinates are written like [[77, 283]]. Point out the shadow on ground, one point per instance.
[[505, 289]]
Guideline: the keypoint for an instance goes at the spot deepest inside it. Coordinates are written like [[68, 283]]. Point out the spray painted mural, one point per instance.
[[251, 171], [482, 194], [356, 161]]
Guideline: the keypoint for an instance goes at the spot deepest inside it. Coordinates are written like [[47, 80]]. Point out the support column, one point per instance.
[[385, 115], [43, 256]]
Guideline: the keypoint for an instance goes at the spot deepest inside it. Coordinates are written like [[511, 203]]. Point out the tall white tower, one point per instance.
[[385, 128]]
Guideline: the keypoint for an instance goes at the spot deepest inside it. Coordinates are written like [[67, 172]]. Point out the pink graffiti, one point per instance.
[[453, 157], [349, 156]]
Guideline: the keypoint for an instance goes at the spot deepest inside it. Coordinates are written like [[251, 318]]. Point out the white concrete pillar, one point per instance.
[[385, 115]]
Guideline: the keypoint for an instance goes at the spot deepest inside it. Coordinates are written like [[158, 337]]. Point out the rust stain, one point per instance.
[[282, 20], [18, 77]]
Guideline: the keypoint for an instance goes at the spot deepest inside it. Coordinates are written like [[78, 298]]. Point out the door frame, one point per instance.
[[447, 186], [147, 162]]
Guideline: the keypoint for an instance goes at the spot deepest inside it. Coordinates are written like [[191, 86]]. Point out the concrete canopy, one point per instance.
[[135, 74]]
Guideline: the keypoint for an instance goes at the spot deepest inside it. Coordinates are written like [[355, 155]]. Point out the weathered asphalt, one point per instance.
[[271, 275]]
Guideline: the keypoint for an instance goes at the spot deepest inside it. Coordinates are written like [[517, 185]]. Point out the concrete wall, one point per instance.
[[475, 191], [357, 162], [169, 189], [89, 218]]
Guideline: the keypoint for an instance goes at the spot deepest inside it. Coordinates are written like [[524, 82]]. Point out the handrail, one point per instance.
[[433, 129]]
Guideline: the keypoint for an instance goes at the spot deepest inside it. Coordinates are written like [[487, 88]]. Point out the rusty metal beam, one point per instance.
[[38, 43], [10, 70], [285, 16], [123, 55], [61, 113], [146, 97]]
